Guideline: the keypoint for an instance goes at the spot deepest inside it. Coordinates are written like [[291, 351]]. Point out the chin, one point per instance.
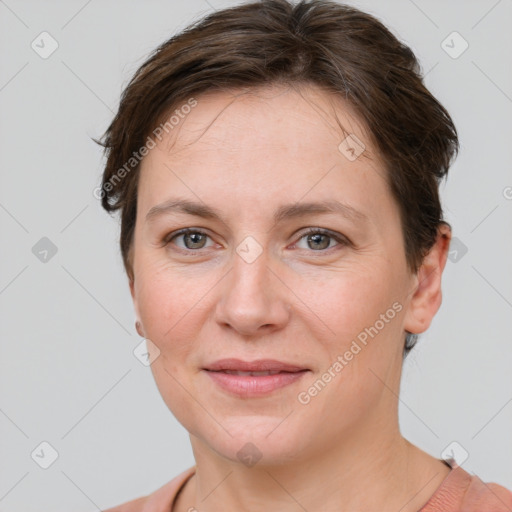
[[261, 440]]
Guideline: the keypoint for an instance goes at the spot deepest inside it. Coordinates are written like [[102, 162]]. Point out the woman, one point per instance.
[[276, 168]]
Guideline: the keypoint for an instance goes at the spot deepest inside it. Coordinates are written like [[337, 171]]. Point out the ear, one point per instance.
[[426, 294], [138, 323]]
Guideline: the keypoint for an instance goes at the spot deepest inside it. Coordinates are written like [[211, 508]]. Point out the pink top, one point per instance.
[[458, 492]]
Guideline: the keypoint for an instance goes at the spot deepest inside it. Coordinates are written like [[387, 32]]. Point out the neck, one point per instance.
[[364, 472]]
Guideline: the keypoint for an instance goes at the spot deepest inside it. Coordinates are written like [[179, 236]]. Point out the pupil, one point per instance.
[[316, 239], [194, 237]]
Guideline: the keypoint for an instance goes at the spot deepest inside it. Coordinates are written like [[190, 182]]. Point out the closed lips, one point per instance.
[[252, 374], [253, 379], [260, 367]]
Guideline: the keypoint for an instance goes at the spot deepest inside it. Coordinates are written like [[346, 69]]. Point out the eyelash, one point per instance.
[[342, 241]]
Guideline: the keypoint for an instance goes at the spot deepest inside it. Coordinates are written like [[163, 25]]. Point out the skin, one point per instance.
[[301, 301]]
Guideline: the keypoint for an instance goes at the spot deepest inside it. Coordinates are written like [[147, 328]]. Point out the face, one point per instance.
[[268, 271]]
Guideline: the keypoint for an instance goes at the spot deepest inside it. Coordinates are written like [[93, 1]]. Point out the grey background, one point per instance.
[[68, 374]]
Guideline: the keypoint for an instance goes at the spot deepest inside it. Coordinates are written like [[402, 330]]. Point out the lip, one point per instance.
[[251, 386], [260, 365]]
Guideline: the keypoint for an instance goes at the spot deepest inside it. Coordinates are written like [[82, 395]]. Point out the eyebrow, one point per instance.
[[284, 212]]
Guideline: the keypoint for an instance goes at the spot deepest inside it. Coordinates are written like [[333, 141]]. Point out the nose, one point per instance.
[[253, 299]]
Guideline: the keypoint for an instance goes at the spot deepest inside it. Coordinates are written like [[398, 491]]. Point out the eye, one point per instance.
[[193, 239], [320, 239], [317, 239]]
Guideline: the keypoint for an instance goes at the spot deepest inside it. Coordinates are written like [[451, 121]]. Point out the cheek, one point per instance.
[[170, 310], [166, 301], [358, 358], [347, 301], [357, 327]]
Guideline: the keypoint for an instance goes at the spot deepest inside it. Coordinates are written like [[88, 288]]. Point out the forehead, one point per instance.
[[294, 117], [268, 145]]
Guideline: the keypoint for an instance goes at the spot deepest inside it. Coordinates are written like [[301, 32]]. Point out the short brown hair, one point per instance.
[[320, 42]]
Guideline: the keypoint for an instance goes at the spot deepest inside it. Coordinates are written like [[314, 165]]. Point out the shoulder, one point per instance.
[[492, 496], [160, 500], [136, 505], [463, 491]]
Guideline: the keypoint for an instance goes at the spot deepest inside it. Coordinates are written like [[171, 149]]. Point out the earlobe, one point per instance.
[[426, 294], [138, 324], [138, 328]]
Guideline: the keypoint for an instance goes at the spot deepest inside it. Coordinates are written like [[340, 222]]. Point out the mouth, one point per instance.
[[258, 366], [253, 379], [252, 374]]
